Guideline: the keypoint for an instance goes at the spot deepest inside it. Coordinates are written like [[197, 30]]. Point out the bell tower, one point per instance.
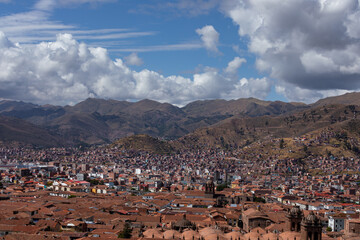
[[210, 188], [311, 227], [295, 216]]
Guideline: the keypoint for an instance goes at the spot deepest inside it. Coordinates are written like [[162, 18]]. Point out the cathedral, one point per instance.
[[309, 227]]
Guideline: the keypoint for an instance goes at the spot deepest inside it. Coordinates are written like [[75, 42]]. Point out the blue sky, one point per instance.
[[64, 51]]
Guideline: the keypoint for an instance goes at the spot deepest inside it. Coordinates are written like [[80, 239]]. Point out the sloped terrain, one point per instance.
[[235, 132], [20, 131], [98, 121], [143, 143]]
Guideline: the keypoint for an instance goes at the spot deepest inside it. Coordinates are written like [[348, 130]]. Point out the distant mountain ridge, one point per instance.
[[345, 99], [98, 121], [240, 131], [20, 131]]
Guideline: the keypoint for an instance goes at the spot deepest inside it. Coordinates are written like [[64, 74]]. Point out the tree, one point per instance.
[[353, 109], [221, 187], [259, 199], [328, 153], [282, 143], [328, 229], [126, 232], [305, 148], [94, 182]]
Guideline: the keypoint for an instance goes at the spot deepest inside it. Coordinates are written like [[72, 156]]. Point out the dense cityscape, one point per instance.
[[104, 193], [181, 119]]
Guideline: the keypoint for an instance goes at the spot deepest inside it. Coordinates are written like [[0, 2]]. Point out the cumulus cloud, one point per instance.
[[133, 59], [310, 47], [234, 65], [4, 41], [253, 87], [65, 71], [298, 94], [209, 37]]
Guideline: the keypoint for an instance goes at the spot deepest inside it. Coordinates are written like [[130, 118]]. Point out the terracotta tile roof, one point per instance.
[[47, 223], [24, 236], [190, 235], [152, 233], [290, 235], [277, 217], [153, 219], [23, 221], [20, 228]]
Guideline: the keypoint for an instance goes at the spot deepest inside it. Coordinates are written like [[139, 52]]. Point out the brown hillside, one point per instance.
[[346, 99], [143, 143], [235, 132], [17, 130]]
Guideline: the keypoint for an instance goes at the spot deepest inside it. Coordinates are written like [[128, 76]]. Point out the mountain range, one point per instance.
[[210, 123]]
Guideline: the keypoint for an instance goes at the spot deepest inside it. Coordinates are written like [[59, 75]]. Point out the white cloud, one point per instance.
[[49, 5], [158, 48], [194, 7], [314, 62], [35, 25], [45, 5], [253, 87], [66, 71], [209, 37], [5, 1], [133, 59], [4, 41], [26, 26], [312, 47], [234, 65], [298, 94], [178, 7], [70, 2]]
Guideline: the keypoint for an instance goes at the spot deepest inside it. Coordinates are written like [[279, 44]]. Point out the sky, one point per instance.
[[64, 51]]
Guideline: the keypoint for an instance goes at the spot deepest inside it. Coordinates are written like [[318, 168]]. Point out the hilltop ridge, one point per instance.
[[208, 122]]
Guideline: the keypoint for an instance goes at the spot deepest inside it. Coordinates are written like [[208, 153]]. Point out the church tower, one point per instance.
[[295, 216], [210, 188], [311, 227]]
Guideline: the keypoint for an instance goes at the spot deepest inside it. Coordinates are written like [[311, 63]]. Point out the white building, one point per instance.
[[337, 222]]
